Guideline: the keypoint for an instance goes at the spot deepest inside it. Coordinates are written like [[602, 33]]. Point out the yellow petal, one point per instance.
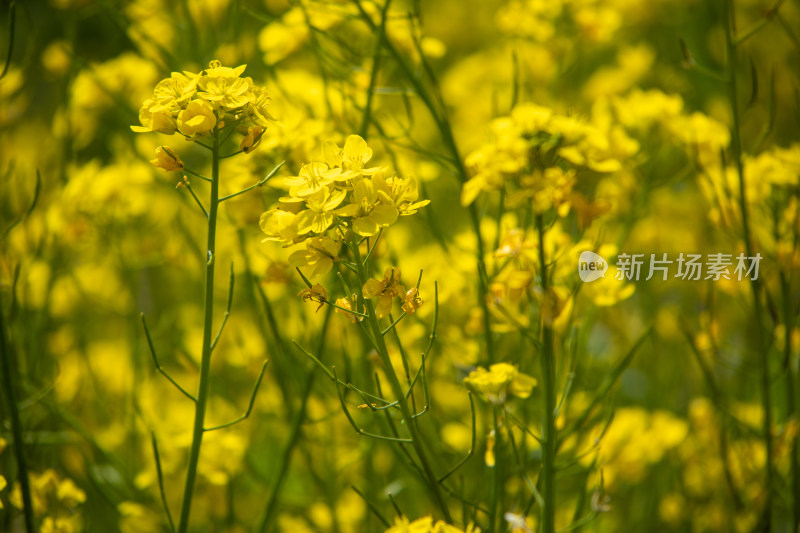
[[351, 210], [372, 288], [522, 385], [321, 222], [356, 149], [384, 215], [366, 227], [335, 199], [305, 221], [384, 306], [332, 154]]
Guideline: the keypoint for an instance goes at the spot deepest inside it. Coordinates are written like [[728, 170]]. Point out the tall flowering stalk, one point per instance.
[[335, 207], [204, 107]]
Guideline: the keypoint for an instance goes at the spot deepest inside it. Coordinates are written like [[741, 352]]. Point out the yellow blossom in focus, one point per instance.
[[167, 159], [319, 256], [155, 118], [411, 301], [224, 90], [402, 192], [370, 210], [279, 225], [385, 290], [352, 158], [197, 119], [319, 215], [312, 179]]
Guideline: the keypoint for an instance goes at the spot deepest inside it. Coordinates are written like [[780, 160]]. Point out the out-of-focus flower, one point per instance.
[[500, 380], [56, 58], [54, 498], [137, 518], [488, 456], [3, 482], [346, 306], [427, 525], [519, 523]]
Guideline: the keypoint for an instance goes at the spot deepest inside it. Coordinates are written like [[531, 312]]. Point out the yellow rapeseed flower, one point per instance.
[[316, 293], [280, 226], [252, 139], [426, 525], [313, 178], [319, 215], [197, 119], [167, 159], [385, 290], [369, 209], [319, 255], [499, 381], [411, 301]]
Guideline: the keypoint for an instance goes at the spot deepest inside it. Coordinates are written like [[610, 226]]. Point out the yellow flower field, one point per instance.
[[395, 266]]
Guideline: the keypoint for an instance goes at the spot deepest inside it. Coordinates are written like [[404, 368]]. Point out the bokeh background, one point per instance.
[[681, 412]]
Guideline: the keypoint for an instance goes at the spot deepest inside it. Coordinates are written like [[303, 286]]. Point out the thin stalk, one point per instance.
[[294, 436], [208, 324], [494, 499], [16, 427], [446, 132], [549, 436], [791, 399], [759, 349], [373, 79], [397, 390]]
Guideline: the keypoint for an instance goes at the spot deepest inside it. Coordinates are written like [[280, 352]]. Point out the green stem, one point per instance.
[[208, 323], [549, 436], [16, 428], [760, 348], [791, 395], [496, 478], [294, 435], [373, 79], [397, 390], [446, 132]]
